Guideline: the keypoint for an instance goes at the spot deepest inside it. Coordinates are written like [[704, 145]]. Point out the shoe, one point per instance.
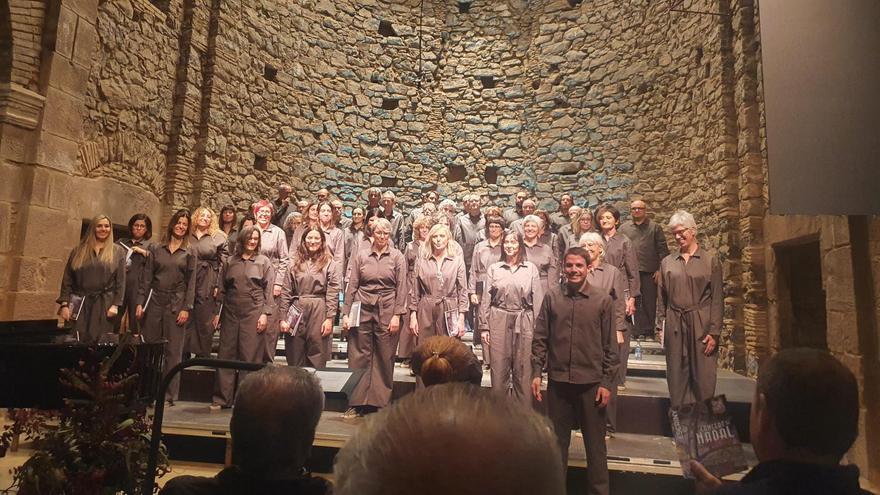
[[169, 402], [352, 413], [609, 435], [215, 408], [620, 387]]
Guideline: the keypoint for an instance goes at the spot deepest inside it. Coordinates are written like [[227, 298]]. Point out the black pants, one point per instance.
[[623, 353], [570, 405], [646, 305]]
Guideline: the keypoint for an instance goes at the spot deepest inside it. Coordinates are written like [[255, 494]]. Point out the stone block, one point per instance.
[[67, 76], [63, 114], [66, 34], [87, 9], [51, 233], [86, 43], [57, 152], [35, 305]]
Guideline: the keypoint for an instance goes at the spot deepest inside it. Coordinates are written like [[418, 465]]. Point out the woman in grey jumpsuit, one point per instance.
[[273, 245], [95, 271], [541, 254], [208, 243], [507, 322], [420, 228], [312, 283], [486, 252], [166, 296], [378, 280], [246, 284], [439, 297]]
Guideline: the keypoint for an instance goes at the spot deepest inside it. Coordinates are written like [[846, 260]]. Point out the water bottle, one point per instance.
[[638, 351]]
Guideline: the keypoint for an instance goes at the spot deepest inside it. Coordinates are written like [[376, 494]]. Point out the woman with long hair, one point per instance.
[[137, 246], [420, 228], [247, 220], [540, 253], [273, 245], [208, 243], [507, 317], [93, 282], [166, 296], [439, 298], [354, 234], [486, 252], [312, 284], [228, 220], [569, 234], [334, 237], [605, 276], [378, 281], [246, 285]]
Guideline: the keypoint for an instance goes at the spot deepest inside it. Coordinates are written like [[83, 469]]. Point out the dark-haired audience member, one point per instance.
[[246, 284], [228, 220], [137, 245], [426, 443], [281, 204], [378, 280], [804, 418], [208, 244], [574, 342], [485, 253], [167, 292], [507, 317], [273, 245], [95, 272], [272, 428], [444, 359], [312, 284], [649, 243], [690, 314]]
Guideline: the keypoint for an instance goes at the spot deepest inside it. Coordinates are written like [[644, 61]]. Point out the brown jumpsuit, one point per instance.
[[171, 278], [484, 255], [407, 341], [513, 297], [246, 291], [379, 282], [101, 286], [438, 289], [134, 272], [273, 245], [315, 290], [210, 253], [545, 258], [619, 252], [609, 278], [691, 306]]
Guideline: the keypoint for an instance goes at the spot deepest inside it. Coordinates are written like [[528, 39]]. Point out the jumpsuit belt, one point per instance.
[[519, 320], [686, 317]]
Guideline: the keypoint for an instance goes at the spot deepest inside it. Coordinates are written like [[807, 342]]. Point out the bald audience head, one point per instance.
[[273, 423], [426, 443]]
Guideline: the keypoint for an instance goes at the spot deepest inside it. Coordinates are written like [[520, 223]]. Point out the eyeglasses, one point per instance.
[[680, 233]]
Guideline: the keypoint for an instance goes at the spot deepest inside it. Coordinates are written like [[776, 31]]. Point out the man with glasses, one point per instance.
[[650, 246]]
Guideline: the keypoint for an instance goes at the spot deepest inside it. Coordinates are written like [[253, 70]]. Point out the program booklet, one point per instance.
[[452, 322], [294, 317], [76, 306], [354, 315], [705, 432]]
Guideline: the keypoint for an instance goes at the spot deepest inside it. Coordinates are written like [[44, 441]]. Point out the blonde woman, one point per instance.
[[439, 296], [94, 275], [420, 228], [570, 234], [208, 244]]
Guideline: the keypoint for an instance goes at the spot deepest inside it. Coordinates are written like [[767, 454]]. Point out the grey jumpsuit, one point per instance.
[[273, 245], [101, 286], [246, 292], [171, 278], [484, 256], [545, 258], [315, 290], [210, 253], [379, 282], [437, 290], [691, 306], [513, 297]]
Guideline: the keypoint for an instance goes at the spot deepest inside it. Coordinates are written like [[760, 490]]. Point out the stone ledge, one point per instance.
[[19, 106]]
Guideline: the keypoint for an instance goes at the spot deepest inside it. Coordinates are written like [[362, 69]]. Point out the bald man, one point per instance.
[[649, 243]]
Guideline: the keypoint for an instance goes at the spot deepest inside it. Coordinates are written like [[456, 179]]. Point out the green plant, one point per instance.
[[96, 444]]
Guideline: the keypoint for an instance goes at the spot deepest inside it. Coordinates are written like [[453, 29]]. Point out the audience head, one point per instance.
[[426, 443], [273, 423], [806, 408], [140, 226], [444, 359]]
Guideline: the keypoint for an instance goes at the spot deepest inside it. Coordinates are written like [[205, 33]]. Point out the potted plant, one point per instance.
[[97, 443]]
